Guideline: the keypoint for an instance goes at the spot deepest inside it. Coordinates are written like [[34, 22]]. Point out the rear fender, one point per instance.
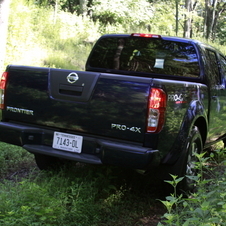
[[194, 114]]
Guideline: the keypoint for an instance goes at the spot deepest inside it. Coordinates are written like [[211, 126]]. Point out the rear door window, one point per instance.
[[145, 55]]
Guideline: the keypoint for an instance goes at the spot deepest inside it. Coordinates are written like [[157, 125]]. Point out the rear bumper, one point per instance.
[[95, 150]]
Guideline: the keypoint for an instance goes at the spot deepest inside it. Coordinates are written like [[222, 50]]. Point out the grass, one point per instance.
[[81, 195], [12, 159], [75, 195]]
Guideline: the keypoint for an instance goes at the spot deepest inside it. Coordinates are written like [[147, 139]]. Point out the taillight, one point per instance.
[[156, 110], [145, 35], [2, 88]]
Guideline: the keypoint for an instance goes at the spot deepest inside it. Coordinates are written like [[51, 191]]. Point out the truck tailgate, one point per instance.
[[84, 102]]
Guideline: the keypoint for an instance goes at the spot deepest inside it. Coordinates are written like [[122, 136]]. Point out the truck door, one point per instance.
[[216, 71]]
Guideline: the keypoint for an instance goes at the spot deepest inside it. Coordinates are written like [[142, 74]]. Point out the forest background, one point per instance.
[[60, 33]]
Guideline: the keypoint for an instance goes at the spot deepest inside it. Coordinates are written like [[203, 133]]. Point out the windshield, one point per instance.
[[146, 55]]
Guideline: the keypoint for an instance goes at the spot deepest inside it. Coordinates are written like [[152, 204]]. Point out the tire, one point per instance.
[[224, 141], [185, 165], [45, 162], [195, 146]]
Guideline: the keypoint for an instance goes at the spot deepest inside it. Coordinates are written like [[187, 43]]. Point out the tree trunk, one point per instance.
[[55, 12], [220, 10], [177, 16], [213, 11], [210, 17], [190, 6], [205, 16], [4, 14], [83, 7], [187, 21]]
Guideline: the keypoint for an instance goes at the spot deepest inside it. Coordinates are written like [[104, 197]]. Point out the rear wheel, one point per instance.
[[45, 162], [186, 164]]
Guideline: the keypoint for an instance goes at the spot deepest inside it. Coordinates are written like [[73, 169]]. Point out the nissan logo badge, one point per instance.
[[72, 77]]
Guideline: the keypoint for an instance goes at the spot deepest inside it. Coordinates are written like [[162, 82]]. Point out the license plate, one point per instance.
[[67, 142]]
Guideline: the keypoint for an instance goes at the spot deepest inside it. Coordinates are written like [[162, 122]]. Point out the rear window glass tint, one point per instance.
[[146, 55]]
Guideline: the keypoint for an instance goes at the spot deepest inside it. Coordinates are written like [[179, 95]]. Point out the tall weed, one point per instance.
[[207, 206]]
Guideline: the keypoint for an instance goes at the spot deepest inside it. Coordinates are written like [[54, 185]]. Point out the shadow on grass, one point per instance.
[[81, 195], [116, 196]]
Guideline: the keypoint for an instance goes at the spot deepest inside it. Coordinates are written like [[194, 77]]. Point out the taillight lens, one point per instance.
[[2, 88], [145, 35], [156, 110]]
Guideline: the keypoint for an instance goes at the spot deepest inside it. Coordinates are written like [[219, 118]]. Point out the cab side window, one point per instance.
[[213, 68], [223, 66]]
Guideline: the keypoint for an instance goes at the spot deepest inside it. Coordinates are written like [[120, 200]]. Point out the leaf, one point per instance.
[[195, 178], [43, 218], [186, 223], [199, 211]]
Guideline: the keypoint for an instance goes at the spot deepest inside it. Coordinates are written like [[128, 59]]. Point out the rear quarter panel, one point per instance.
[[186, 102]]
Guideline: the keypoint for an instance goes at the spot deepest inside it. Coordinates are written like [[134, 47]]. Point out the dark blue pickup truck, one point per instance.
[[143, 101]]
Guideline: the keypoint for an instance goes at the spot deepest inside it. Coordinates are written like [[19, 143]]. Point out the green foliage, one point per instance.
[[38, 37], [205, 207], [12, 158], [163, 19], [43, 36], [134, 12], [192, 20], [30, 205]]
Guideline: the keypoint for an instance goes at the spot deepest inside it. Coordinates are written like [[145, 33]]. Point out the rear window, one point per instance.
[[146, 55]]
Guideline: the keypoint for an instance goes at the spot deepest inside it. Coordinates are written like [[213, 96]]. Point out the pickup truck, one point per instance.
[[143, 101]]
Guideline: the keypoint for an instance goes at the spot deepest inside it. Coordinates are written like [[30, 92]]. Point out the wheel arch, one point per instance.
[[195, 116], [202, 126]]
